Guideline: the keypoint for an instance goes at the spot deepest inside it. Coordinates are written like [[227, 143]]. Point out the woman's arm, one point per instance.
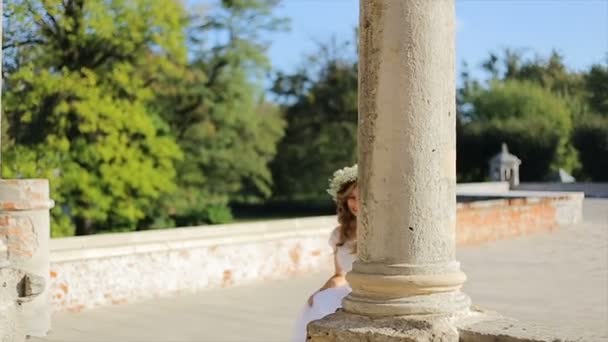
[[336, 280]]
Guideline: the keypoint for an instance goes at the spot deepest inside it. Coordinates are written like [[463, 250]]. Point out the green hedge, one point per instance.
[[590, 138]]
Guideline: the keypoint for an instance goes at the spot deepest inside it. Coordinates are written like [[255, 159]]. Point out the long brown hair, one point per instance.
[[346, 219]]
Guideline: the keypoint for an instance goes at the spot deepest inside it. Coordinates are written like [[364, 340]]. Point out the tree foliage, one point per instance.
[[217, 109], [321, 113], [542, 97], [134, 129], [77, 106]]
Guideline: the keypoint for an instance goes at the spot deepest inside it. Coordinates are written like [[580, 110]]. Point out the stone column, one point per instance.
[[407, 163], [407, 146], [24, 245]]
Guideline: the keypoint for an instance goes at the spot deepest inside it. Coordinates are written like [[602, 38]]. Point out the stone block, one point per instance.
[[472, 326], [346, 327]]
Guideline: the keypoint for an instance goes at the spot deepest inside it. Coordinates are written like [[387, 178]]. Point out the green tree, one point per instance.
[[596, 85], [217, 110], [591, 140], [550, 73], [535, 123], [77, 105], [591, 131], [321, 112]]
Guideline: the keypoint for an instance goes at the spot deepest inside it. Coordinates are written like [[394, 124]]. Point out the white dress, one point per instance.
[[327, 301]]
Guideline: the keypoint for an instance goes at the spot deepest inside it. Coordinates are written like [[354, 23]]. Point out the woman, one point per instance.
[[343, 189]]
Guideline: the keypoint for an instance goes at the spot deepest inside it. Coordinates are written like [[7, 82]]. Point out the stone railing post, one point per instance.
[[24, 257], [24, 251]]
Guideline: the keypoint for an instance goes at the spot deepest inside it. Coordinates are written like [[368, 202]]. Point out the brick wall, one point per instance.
[[503, 219]]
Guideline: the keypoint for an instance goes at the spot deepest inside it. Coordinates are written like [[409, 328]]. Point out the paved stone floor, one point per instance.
[[558, 279]]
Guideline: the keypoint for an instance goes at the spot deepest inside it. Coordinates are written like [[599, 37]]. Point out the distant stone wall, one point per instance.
[[482, 187], [483, 221], [590, 189], [110, 269]]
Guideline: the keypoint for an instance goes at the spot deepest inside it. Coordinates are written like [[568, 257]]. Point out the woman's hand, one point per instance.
[[336, 280], [311, 299]]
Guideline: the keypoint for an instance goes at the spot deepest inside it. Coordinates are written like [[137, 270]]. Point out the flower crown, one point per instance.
[[341, 177]]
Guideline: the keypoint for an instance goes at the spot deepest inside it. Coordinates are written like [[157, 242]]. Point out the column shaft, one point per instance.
[[407, 159]]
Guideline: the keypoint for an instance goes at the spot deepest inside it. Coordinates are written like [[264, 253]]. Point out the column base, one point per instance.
[[347, 327], [433, 304], [380, 295]]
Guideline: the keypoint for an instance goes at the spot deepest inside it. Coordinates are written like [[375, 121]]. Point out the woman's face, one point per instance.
[[353, 200]]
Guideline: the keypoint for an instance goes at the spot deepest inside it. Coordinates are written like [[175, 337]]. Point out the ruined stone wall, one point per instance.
[[479, 222], [119, 268]]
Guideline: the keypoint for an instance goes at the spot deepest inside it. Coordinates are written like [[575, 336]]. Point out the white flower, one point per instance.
[[341, 177]]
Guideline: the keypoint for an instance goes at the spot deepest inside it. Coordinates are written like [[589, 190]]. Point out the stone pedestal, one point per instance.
[[24, 253], [407, 160], [474, 326], [345, 327]]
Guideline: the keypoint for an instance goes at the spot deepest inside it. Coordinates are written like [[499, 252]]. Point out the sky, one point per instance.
[[578, 29]]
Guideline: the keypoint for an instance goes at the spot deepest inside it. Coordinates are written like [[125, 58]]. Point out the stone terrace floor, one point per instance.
[[558, 279]]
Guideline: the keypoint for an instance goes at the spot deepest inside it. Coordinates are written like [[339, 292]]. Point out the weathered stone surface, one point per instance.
[[24, 247], [474, 326], [16, 287], [486, 326], [345, 327], [19, 238]]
